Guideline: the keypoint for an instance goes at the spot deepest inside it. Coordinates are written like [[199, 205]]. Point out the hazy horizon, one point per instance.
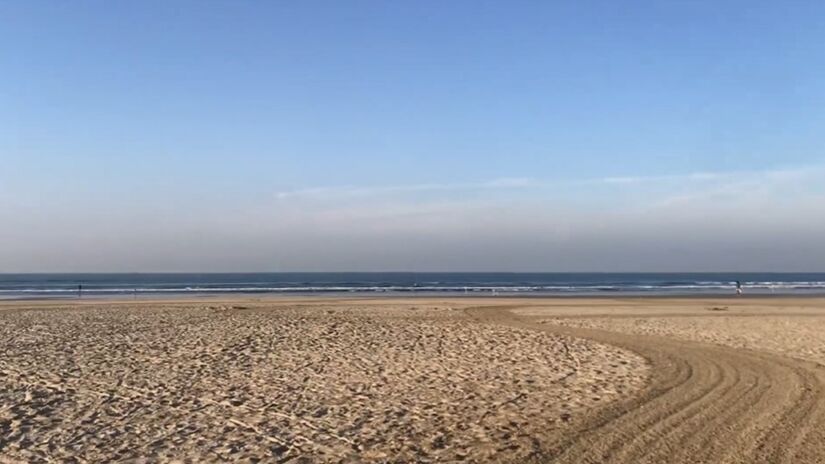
[[421, 137]]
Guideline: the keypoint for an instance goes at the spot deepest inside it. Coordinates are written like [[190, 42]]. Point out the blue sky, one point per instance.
[[164, 136]]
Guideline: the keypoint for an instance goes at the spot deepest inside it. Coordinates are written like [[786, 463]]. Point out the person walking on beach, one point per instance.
[[738, 288]]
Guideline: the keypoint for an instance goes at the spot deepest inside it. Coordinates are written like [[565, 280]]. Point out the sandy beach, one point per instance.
[[246, 381], [416, 379]]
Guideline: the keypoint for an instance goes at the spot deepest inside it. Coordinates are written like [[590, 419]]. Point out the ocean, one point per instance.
[[438, 283]]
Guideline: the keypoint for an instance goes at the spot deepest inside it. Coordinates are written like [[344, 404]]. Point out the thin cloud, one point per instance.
[[320, 192], [522, 183], [691, 177], [753, 188]]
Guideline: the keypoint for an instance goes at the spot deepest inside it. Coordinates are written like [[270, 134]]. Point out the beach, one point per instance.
[[323, 381], [311, 379]]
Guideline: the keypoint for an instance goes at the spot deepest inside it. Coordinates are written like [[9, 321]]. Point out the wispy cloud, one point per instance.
[[694, 177], [329, 191], [524, 183], [750, 186]]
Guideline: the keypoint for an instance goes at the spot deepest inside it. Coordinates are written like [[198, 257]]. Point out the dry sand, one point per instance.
[[793, 327], [291, 381], [730, 379], [478, 380]]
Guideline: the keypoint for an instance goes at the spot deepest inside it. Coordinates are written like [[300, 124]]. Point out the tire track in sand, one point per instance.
[[704, 404]]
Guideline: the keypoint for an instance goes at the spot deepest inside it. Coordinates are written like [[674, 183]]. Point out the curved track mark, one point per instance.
[[704, 404]]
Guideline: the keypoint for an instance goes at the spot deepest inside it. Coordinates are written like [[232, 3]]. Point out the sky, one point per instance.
[[412, 136]]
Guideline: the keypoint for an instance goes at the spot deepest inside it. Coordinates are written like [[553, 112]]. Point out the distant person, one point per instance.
[[738, 288], [79, 290]]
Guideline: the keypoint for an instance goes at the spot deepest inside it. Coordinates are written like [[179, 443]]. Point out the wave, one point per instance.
[[661, 287]]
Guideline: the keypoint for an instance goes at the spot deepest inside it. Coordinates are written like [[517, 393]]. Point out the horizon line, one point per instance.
[[406, 272]]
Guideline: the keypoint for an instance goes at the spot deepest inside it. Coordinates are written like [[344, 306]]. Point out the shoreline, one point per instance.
[[379, 299]]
